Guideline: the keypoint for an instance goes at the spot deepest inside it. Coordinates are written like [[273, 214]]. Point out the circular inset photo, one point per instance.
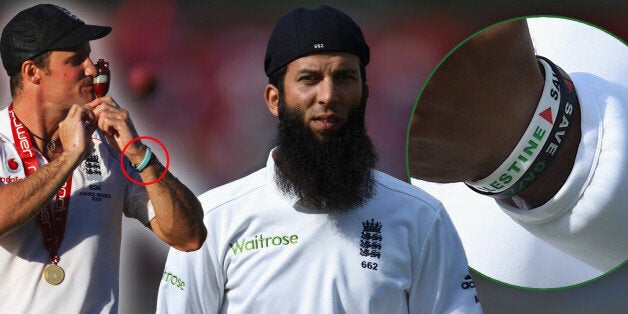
[[521, 132]]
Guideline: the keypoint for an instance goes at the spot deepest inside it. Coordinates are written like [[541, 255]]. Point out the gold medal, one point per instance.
[[54, 274]]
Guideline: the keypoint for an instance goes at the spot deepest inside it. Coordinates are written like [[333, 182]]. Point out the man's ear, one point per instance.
[[271, 95], [30, 72]]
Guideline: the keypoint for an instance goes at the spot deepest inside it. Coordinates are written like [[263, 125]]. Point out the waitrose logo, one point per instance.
[[261, 242]]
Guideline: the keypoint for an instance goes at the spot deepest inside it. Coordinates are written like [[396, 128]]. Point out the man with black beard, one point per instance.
[[335, 171], [318, 230]]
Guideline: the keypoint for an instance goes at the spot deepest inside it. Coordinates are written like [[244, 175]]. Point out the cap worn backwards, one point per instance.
[[43, 28], [306, 31]]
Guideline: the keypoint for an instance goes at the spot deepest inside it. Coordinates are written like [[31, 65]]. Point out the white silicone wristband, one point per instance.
[[531, 143]]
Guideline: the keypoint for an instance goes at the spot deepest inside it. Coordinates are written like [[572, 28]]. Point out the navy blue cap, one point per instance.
[[306, 31], [43, 28]]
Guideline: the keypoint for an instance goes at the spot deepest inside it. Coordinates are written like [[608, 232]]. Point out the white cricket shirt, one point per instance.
[[269, 253], [90, 251]]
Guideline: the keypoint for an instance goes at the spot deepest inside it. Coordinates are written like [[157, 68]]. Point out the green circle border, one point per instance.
[[473, 270]]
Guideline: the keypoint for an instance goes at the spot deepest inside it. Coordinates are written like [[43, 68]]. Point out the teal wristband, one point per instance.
[[144, 162]]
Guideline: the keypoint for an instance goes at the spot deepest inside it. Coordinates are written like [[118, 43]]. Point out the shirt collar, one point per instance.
[[272, 181]]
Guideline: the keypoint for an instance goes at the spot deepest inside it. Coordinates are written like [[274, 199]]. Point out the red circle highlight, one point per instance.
[[161, 176]]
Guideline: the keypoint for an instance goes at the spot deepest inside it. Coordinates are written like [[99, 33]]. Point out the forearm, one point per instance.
[[24, 199], [489, 85], [178, 213]]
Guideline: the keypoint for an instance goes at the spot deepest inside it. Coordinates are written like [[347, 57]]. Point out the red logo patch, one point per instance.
[[13, 165]]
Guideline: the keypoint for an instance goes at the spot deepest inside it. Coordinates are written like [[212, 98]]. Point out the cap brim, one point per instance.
[[81, 34]]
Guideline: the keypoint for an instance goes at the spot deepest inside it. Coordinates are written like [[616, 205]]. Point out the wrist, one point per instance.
[[135, 153], [542, 160], [147, 160]]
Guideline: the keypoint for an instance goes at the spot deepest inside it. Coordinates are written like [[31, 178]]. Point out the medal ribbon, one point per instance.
[[53, 230]]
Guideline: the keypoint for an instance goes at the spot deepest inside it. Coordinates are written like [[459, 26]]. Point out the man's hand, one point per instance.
[[74, 135], [117, 126], [178, 213], [23, 200]]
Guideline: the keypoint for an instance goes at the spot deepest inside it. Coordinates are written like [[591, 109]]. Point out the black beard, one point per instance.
[[334, 173]]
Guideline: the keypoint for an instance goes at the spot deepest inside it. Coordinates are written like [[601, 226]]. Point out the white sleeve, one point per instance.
[[441, 280], [136, 201], [586, 218], [137, 204], [192, 282]]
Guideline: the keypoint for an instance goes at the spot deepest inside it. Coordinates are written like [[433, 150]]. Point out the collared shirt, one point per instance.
[[267, 252], [90, 250]]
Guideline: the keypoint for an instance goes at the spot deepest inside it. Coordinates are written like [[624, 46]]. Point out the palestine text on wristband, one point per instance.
[[541, 141]]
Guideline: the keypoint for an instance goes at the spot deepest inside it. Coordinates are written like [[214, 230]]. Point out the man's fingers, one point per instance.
[[104, 104], [102, 100], [88, 117], [111, 123]]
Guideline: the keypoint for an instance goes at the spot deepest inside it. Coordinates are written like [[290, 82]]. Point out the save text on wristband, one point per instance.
[[564, 120]]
